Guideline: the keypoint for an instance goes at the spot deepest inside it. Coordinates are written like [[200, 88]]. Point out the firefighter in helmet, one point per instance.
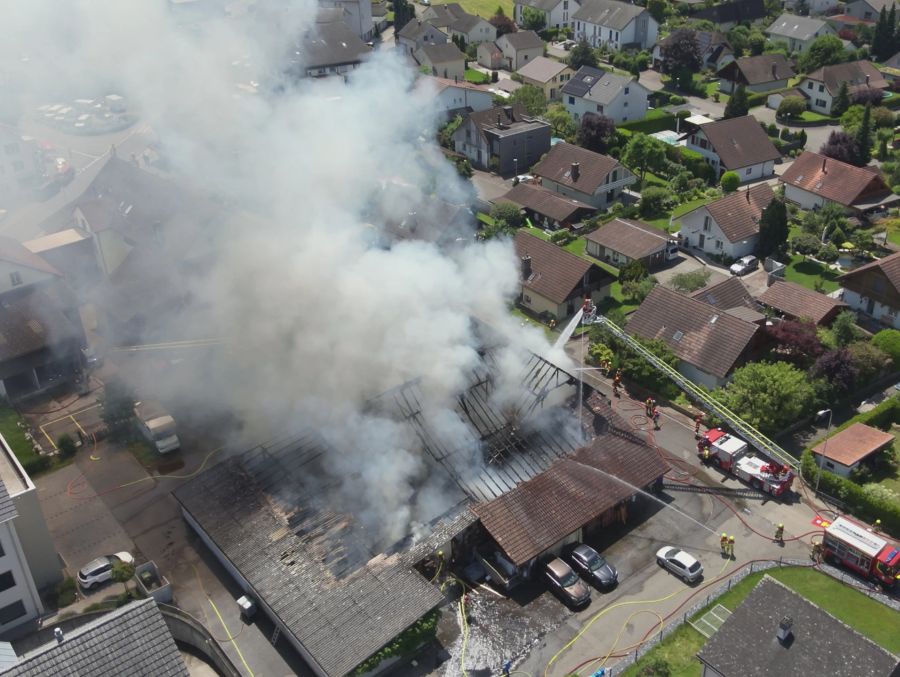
[[723, 543], [779, 533], [731, 546]]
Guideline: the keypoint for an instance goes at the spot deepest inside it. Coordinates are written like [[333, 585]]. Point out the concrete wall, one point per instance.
[[754, 172], [37, 543], [831, 465], [700, 377], [186, 630], [804, 198]]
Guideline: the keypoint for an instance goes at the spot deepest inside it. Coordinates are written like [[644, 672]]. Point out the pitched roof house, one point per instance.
[[519, 48], [548, 75], [823, 84], [445, 61], [615, 25], [874, 289], [331, 49], [454, 96], [814, 180], [592, 90], [547, 209], [624, 240], [709, 343], [504, 137], [728, 226], [757, 73], [798, 31], [844, 451], [584, 175], [727, 15], [417, 33], [715, 50], [555, 281], [868, 10], [795, 302], [732, 296], [453, 20], [737, 145], [557, 13]]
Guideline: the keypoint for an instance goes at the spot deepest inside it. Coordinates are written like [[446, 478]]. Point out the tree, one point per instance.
[[633, 270], [563, 125], [730, 181], [881, 41], [892, 31], [503, 24], [840, 146], [883, 138], [122, 572], [773, 228], [868, 360], [796, 341], [756, 42], [690, 281], [791, 107], [836, 367], [645, 152], [738, 37], [532, 98], [582, 54], [403, 12], [654, 201], [682, 58], [596, 133], [532, 19], [508, 214], [769, 395], [658, 9], [888, 341], [65, 445], [638, 290], [842, 101], [825, 50], [844, 328], [118, 407], [864, 137], [738, 105]]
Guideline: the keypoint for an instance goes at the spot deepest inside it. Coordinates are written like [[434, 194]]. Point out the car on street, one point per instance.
[[590, 564], [100, 570], [682, 564], [744, 265], [567, 583]]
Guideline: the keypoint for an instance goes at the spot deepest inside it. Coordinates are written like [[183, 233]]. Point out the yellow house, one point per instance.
[[546, 74]]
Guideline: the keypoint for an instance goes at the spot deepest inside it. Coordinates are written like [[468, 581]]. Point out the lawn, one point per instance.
[[713, 88], [807, 273], [485, 8], [663, 221], [889, 475], [15, 436], [537, 232], [811, 116], [476, 77]]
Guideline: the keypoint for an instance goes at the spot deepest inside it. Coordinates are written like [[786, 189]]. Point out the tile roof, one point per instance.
[[132, 640], [706, 40], [574, 490], [35, 318], [415, 29], [597, 85], [13, 251], [797, 27], [441, 53], [556, 273], [543, 5], [877, 5], [853, 444], [522, 40], [707, 338], [727, 294], [740, 142], [542, 69], [609, 13], [634, 239], [734, 12], [738, 213], [854, 73], [555, 205], [832, 179], [466, 23], [331, 44], [796, 301], [443, 15], [593, 168], [761, 69], [745, 645], [889, 266], [7, 507]]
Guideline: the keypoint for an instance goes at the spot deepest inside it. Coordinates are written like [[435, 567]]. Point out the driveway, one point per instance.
[[685, 263], [490, 186]]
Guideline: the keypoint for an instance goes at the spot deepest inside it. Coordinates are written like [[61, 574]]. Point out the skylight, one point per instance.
[[713, 319], [678, 335]]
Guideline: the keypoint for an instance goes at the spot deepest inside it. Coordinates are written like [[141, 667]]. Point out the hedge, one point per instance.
[[757, 98], [419, 633], [654, 122]]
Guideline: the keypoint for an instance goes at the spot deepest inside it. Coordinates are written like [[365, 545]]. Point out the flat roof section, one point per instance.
[[11, 472]]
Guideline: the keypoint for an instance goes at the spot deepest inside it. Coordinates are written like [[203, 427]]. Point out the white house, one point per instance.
[[728, 226], [473, 29], [357, 15], [763, 73], [738, 145], [454, 97], [591, 90], [416, 34], [519, 48], [822, 85], [844, 451], [868, 10], [874, 289], [445, 61], [615, 24], [557, 13], [798, 31], [592, 178], [332, 49]]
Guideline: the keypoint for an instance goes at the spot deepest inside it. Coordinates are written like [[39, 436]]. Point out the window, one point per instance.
[[706, 223], [615, 175], [749, 171], [565, 4], [15, 278], [718, 244], [7, 581], [11, 612], [600, 109], [821, 88], [625, 105], [626, 90], [821, 103], [809, 85], [527, 298], [571, 100], [829, 464]]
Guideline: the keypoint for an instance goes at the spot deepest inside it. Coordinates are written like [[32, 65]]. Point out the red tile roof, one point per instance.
[[727, 294], [593, 168], [558, 207], [740, 142], [556, 273], [796, 301], [634, 239], [889, 265], [738, 214], [854, 73], [832, 179], [853, 444]]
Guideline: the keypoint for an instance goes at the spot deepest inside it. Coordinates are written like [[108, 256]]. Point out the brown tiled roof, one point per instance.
[[573, 491], [889, 265], [757, 70], [697, 333], [558, 207], [592, 171], [634, 239], [740, 142], [832, 179], [13, 251], [727, 294], [508, 115], [555, 272], [542, 69], [853, 444], [738, 214], [796, 301], [35, 318], [853, 73]]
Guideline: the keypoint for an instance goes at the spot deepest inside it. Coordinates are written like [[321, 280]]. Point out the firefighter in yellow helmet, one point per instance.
[[779, 533], [723, 543], [731, 546]]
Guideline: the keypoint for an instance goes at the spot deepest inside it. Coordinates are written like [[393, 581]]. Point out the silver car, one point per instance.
[[100, 570], [680, 563], [566, 582], [744, 265]]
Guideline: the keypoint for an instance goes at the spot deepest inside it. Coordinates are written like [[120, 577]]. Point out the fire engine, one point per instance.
[[732, 455], [862, 550]]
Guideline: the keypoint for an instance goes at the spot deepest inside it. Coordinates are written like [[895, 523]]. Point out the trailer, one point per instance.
[[157, 426], [862, 550], [732, 455]]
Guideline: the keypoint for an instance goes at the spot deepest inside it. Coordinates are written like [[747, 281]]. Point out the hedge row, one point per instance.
[[650, 125]]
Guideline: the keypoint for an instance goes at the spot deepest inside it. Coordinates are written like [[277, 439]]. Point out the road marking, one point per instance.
[[228, 633], [78, 425]]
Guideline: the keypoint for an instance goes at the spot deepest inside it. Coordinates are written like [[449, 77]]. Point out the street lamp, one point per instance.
[[820, 415], [516, 165]]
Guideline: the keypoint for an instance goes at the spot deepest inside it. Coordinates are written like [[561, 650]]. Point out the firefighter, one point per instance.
[[731, 546], [698, 419], [656, 418], [648, 407], [507, 666], [816, 552], [617, 382], [779, 533], [723, 543], [877, 526]]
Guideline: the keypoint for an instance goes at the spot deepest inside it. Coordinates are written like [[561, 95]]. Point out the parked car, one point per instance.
[[680, 563], [744, 265], [566, 582], [593, 567], [100, 570]]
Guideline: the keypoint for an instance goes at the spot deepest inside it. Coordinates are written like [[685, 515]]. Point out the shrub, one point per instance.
[[599, 353], [805, 243], [868, 360], [828, 253], [691, 281], [654, 200], [633, 270], [730, 181], [65, 445], [676, 100], [420, 632], [637, 290], [65, 592], [791, 107], [888, 341], [37, 464], [561, 237]]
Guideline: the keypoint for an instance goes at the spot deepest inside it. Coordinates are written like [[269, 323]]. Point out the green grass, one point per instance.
[[389, 17], [484, 8], [537, 232], [15, 436], [663, 221], [807, 273], [811, 116], [476, 77], [578, 247], [519, 314], [485, 218]]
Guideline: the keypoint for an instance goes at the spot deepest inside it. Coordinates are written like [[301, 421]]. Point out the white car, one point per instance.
[[680, 563], [100, 570], [744, 265]]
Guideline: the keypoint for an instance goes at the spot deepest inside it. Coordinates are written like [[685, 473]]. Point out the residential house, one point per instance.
[[714, 50], [431, 220], [761, 73], [732, 296], [20, 602], [583, 175], [416, 34], [823, 84], [473, 29], [868, 10], [357, 15], [490, 56], [709, 343], [591, 90], [794, 302], [798, 31], [546, 209], [736, 145], [776, 631], [20, 162], [557, 13], [455, 97], [615, 25], [379, 15], [814, 7], [814, 180], [554, 281], [874, 289], [548, 75], [727, 15], [71, 252], [445, 61], [891, 69], [504, 139], [843, 452], [519, 48], [330, 49], [728, 226], [622, 241]]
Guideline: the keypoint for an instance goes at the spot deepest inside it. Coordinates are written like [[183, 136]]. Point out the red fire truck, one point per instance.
[[732, 455], [862, 550]]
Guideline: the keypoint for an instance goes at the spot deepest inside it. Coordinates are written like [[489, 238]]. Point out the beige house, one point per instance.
[[546, 74], [444, 61]]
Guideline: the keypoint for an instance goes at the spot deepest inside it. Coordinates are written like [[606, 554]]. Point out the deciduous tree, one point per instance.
[[837, 368], [532, 19], [797, 341], [582, 54], [503, 24], [681, 58], [730, 181], [597, 132], [844, 328], [791, 107], [563, 125], [532, 98], [840, 146], [645, 152], [825, 50]]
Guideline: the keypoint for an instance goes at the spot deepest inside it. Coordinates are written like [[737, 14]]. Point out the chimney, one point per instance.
[[824, 159], [526, 267], [576, 171], [867, 80], [499, 123], [58, 633], [784, 630]]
